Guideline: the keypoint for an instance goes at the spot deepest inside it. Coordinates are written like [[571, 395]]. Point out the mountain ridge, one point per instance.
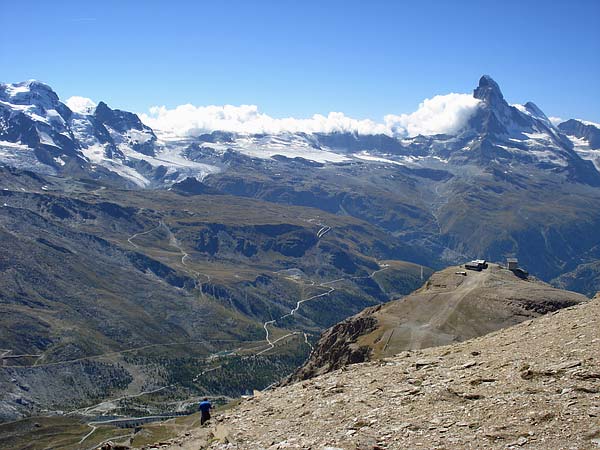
[[452, 306], [36, 107]]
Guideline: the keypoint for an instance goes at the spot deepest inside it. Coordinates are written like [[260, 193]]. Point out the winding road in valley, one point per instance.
[[184, 256], [133, 236], [325, 285], [174, 243]]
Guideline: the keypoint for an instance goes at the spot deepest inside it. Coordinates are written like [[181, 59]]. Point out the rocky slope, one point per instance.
[[585, 278], [535, 385], [454, 305], [121, 292]]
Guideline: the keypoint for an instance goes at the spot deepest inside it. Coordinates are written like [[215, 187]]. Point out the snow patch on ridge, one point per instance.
[[81, 105], [365, 155], [15, 89], [583, 149], [587, 122], [264, 147]]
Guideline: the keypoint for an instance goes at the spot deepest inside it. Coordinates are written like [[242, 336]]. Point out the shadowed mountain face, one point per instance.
[[586, 132], [585, 278], [454, 305]]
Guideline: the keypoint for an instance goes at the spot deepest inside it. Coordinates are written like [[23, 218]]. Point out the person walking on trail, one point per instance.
[[205, 408]]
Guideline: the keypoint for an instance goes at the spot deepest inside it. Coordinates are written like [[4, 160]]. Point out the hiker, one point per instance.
[[205, 408]]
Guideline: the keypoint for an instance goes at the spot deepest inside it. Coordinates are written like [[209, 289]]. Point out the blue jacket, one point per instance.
[[205, 406]]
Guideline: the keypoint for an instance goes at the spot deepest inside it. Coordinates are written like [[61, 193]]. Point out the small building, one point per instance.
[[477, 264], [513, 266], [512, 263]]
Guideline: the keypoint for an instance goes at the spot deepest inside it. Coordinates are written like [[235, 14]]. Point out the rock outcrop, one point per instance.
[[338, 347]]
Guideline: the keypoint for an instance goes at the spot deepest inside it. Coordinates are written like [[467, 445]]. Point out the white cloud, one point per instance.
[[437, 115], [193, 120], [555, 120], [81, 105], [440, 114]]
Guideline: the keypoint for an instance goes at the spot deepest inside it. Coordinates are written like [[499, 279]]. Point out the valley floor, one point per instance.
[[534, 385]]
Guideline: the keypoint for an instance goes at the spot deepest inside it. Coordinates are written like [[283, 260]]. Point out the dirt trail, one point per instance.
[[133, 236], [448, 301], [324, 285]]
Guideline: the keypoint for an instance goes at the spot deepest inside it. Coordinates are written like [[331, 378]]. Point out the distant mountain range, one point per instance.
[[508, 183], [39, 132]]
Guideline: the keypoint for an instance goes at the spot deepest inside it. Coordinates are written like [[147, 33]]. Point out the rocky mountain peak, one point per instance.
[[523, 134], [488, 91], [102, 109], [535, 111], [117, 119], [495, 116], [582, 130], [36, 85], [31, 92]]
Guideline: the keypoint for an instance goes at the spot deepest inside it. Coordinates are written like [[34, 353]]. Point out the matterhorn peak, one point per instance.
[[488, 91]]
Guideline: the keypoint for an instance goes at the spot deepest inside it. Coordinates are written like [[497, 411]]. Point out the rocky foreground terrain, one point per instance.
[[534, 385]]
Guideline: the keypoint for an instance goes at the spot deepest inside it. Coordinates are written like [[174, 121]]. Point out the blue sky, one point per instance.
[[297, 58]]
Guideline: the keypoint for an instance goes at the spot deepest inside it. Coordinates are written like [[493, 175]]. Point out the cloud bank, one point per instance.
[[81, 105], [192, 120], [555, 120], [440, 114]]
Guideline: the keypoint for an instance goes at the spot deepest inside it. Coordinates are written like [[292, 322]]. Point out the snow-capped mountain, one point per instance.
[[585, 137], [511, 136], [514, 137], [39, 132]]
